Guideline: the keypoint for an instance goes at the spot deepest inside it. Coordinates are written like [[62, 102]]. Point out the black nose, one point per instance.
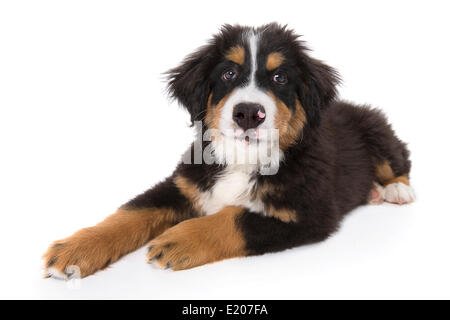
[[249, 115]]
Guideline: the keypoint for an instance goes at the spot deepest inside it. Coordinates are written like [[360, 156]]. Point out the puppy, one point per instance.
[[278, 162]]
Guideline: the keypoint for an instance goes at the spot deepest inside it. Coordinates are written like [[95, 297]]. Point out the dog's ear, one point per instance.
[[190, 83], [317, 87]]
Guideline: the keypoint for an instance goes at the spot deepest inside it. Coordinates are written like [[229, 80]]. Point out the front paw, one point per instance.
[[198, 241], [77, 256], [178, 249]]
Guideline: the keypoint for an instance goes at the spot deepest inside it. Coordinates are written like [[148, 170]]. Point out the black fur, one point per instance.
[[334, 154], [326, 174], [192, 81], [164, 195], [314, 83]]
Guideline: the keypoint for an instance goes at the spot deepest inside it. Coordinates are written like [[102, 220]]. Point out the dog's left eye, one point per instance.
[[229, 75], [280, 78]]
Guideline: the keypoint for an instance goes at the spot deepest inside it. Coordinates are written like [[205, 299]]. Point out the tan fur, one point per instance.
[[288, 124], [94, 248], [384, 173], [285, 215], [402, 179], [199, 241], [274, 60], [189, 190], [263, 189], [266, 189], [213, 113], [236, 54]]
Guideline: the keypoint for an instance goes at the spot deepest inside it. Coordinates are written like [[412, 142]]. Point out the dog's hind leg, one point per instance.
[[396, 187], [389, 154]]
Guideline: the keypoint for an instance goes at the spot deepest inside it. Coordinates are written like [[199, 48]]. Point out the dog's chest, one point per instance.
[[234, 187]]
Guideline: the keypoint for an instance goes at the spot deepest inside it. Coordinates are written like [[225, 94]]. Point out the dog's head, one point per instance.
[[257, 79]]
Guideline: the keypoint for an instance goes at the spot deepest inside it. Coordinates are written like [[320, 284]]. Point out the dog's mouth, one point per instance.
[[247, 138]]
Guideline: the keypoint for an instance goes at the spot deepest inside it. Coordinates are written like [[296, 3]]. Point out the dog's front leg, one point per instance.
[[199, 241], [232, 232], [132, 226]]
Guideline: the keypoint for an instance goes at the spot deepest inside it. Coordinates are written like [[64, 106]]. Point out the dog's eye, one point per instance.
[[229, 75], [280, 78]]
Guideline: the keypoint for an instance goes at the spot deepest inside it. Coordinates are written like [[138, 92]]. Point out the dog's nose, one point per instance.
[[249, 115]]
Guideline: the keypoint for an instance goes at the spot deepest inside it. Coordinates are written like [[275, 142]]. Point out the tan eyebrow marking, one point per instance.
[[236, 54], [274, 60]]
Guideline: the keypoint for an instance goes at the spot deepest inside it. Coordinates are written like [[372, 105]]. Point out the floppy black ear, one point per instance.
[[190, 83], [318, 87]]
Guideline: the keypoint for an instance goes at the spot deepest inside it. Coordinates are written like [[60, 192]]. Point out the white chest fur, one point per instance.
[[233, 188]]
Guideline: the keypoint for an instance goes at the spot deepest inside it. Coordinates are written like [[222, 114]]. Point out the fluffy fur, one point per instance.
[[331, 156]]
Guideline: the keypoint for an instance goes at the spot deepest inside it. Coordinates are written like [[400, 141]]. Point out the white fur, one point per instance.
[[265, 153], [253, 40], [230, 148], [243, 158], [234, 187], [399, 193], [71, 272], [55, 273], [250, 94], [157, 265]]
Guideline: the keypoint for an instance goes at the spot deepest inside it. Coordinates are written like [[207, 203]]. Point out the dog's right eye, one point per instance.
[[229, 75]]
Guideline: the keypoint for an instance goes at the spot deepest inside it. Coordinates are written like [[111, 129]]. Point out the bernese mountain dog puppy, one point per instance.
[[278, 161]]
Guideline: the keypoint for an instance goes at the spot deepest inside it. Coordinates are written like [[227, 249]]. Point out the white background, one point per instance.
[[85, 125]]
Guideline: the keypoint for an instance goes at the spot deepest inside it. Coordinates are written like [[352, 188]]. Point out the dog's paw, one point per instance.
[[197, 241], [398, 193], [376, 195], [178, 248], [76, 256]]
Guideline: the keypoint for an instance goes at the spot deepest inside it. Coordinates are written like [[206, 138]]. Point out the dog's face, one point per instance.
[[246, 81]]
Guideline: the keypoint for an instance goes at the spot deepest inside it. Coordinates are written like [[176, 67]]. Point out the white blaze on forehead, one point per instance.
[[253, 40], [249, 93]]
